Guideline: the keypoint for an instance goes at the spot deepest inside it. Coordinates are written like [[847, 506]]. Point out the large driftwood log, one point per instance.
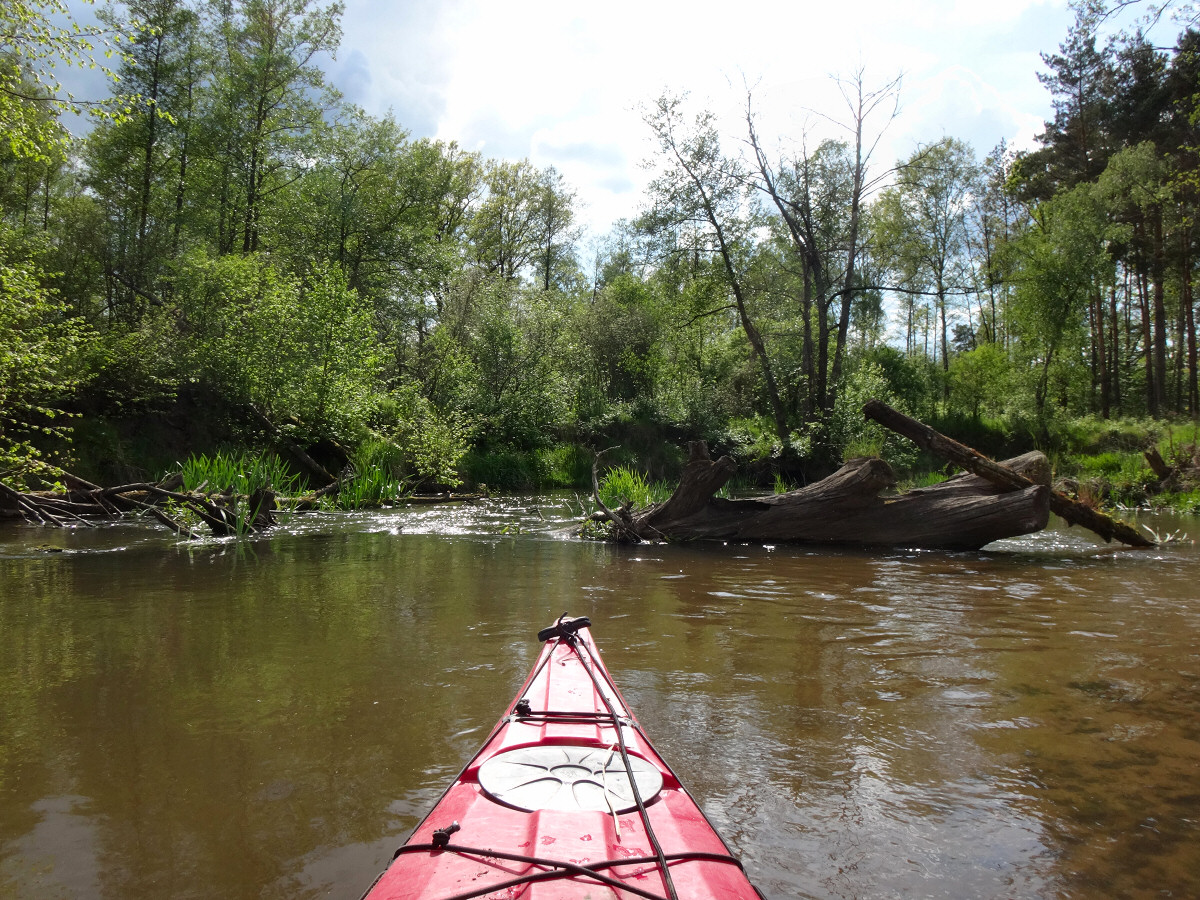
[[1000, 474], [964, 513], [85, 501]]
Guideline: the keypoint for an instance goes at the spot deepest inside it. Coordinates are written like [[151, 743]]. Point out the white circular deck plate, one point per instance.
[[567, 777]]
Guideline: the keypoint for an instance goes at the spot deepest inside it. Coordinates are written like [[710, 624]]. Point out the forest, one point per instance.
[[236, 259]]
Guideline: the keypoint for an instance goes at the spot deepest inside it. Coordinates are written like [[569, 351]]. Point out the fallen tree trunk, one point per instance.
[[999, 474], [85, 502], [964, 513]]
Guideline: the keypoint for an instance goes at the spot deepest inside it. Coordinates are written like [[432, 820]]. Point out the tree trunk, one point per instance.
[[1115, 357], [964, 513], [1148, 343], [1158, 269], [1101, 349], [1192, 388], [1000, 474]]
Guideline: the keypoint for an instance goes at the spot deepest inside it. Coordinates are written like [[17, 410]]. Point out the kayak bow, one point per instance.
[[566, 799]]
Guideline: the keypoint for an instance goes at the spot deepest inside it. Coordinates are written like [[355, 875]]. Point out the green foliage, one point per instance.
[[376, 478], [910, 379], [922, 480], [559, 466], [922, 237], [981, 381], [620, 333], [39, 347], [998, 438], [1115, 466], [524, 226], [1112, 476], [850, 434], [133, 369], [622, 485], [426, 443], [507, 365], [503, 469], [297, 349], [37, 36], [241, 239], [1063, 263], [240, 473], [565, 466], [755, 439], [1092, 435], [1183, 502]]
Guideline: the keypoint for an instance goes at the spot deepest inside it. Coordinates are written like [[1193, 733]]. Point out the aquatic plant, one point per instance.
[[376, 477], [622, 484], [241, 473]]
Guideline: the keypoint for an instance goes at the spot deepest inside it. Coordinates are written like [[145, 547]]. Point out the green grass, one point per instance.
[[379, 477], [1187, 503], [921, 480], [623, 484], [1112, 466], [369, 488], [1090, 435], [241, 473]]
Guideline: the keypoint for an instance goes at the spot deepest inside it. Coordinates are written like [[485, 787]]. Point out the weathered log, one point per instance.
[[963, 513], [85, 500], [961, 455], [1158, 465]]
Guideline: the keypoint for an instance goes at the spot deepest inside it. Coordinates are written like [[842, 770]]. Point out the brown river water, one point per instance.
[[270, 719]]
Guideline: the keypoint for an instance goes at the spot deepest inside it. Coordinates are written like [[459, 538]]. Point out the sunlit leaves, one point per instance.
[[38, 344], [298, 349], [36, 36]]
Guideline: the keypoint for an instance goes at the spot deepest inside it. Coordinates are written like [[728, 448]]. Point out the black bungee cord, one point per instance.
[[588, 666], [565, 630]]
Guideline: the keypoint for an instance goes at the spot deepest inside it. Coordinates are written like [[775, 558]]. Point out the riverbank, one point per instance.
[[1107, 463]]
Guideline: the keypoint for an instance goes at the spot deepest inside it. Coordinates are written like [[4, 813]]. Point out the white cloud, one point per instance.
[[561, 84]]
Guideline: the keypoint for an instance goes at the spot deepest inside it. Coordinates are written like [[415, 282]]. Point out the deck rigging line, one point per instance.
[[589, 665], [563, 631], [556, 868]]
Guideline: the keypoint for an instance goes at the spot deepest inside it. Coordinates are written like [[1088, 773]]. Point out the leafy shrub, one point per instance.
[[418, 440], [502, 470], [564, 466], [301, 349], [38, 345], [848, 433], [755, 439], [980, 381]]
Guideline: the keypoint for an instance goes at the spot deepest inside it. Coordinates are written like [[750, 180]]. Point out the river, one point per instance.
[[269, 719]]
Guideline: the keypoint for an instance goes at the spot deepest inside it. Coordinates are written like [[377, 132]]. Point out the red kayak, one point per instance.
[[566, 799]]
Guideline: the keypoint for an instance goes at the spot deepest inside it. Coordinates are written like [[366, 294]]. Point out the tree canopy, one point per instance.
[[233, 237]]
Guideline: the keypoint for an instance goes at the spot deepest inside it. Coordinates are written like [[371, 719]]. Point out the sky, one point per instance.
[[563, 84]]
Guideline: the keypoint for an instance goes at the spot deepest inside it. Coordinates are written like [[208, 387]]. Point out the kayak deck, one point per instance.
[[566, 799]]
